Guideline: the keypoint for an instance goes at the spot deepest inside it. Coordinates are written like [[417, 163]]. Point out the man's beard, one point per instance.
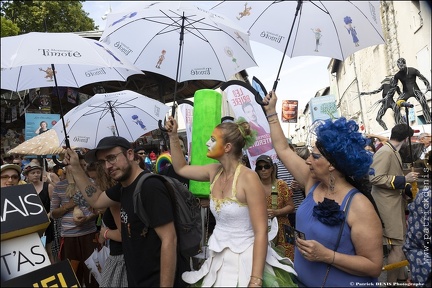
[[125, 174]]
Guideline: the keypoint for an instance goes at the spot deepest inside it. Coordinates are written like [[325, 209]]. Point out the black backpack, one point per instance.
[[187, 213]]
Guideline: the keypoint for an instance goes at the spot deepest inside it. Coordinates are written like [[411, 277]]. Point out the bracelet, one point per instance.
[[274, 114], [105, 234], [255, 283], [334, 255], [272, 121]]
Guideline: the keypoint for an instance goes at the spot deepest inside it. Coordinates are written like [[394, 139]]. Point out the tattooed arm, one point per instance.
[[93, 195]]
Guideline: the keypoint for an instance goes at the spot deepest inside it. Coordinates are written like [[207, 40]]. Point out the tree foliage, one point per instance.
[[47, 16], [8, 28]]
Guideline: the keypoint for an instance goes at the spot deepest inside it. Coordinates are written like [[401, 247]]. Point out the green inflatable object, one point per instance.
[[206, 116]]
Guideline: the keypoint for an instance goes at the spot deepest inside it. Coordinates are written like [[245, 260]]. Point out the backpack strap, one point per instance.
[[137, 200]]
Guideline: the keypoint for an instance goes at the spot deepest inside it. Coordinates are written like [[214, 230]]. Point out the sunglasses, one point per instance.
[[13, 177], [260, 167], [141, 153]]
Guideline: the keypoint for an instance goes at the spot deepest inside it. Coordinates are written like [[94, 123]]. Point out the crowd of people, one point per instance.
[[315, 217]]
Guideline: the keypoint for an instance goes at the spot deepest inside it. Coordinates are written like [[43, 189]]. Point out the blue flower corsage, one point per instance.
[[328, 212]]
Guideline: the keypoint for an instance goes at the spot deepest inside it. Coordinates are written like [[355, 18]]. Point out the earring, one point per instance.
[[331, 182]]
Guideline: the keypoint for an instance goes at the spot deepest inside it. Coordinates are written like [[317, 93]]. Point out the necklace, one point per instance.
[[225, 182]]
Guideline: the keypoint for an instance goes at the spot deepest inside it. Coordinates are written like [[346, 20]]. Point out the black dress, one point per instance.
[[44, 196]]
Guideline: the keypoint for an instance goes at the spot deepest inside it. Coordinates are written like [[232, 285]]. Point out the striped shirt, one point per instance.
[[284, 174], [68, 226]]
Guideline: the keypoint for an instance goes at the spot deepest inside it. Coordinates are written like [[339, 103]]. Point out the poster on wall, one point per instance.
[[323, 107], [36, 122]]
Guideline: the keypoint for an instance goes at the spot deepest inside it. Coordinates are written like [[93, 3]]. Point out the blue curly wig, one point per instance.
[[344, 147]]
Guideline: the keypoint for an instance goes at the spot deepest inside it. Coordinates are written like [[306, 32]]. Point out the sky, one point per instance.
[[300, 77]]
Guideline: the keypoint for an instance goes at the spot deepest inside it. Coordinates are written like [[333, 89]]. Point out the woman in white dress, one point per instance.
[[239, 252]]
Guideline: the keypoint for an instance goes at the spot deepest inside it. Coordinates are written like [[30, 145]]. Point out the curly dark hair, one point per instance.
[[344, 147]]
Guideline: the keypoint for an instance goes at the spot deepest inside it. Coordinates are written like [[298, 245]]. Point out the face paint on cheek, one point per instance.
[[215, 145]]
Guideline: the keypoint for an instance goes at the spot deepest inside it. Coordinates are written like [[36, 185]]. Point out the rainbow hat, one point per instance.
[[162, 161]]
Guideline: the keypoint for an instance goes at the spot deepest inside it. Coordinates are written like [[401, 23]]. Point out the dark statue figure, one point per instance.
[[408, 76], [386, 101]]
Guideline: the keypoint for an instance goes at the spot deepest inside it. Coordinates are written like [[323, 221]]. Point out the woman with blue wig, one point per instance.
[[339, 231]]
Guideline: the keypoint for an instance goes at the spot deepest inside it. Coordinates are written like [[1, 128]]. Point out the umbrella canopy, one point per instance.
[[26, 61], [50, 49], [333, 29], [124, 113], [43, 144], [212, 48], [181, 41]]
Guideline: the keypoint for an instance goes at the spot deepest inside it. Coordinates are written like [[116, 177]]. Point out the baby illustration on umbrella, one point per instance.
[[161, 59]]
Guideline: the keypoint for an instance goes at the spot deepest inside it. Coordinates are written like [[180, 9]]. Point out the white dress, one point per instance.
[[231, 249]]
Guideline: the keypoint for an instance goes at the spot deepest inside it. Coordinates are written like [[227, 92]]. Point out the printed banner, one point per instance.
[[241, 98], [60, 274], [289, 111], [22, 212], [22, 255], [323, 107]]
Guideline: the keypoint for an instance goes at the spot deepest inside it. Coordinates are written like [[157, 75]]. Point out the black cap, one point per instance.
[[139, 148], [107, 143], [265, 158]]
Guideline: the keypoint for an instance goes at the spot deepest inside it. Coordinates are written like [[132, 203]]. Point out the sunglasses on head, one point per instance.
[[260, 167]]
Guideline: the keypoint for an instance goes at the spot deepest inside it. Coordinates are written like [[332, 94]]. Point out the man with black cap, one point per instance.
[[150, 252], [389, 186]]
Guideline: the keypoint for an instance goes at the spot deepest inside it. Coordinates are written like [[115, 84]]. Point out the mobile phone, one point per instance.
[[289, 234], [299, 234]]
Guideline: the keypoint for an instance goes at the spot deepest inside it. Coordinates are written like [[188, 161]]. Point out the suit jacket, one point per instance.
[[388, 186]]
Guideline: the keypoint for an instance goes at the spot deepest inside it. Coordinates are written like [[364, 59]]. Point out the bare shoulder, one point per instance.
[[361, 208], [247, 174]]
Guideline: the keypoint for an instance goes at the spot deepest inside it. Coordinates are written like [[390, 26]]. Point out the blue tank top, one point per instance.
[[327, 236]]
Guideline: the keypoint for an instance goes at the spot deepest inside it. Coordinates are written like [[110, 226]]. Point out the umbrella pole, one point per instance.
[[178, 64], [177, 74], [112, 115], [54, 158], [299, 4], [61, 107]]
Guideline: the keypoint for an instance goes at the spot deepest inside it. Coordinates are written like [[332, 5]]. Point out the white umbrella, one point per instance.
[[125, 113], [181, 41], [31, 60], [86, 61], [333, 29]]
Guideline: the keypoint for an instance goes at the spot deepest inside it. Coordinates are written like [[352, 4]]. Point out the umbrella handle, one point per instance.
[[161, 127], [258, 99], [54, 158]]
